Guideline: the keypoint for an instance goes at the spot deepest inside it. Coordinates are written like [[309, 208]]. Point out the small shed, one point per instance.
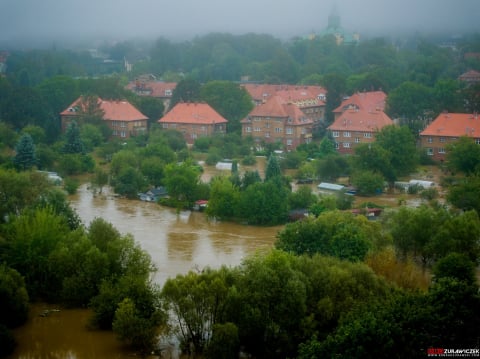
[[330, 186]]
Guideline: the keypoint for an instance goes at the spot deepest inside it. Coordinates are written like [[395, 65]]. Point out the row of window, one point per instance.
[[443, 139], [349, 134], [441, 151]]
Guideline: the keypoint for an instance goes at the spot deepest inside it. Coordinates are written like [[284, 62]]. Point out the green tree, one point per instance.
[[463, 155], [367, 183], [303, 197], [265, 203], [225, 343], [100, 179], [230, 100], [129, 182], [32, 238], [465, 194], [134, 329], [187, 90], [13, 298], [400, 144], [25, 157], [411, 102], [273, 168], [413, 230], [457, 266], [336, 87], [270, 306], [181, 181], [332, 233], [197, 301], [73, 142], [224, 198]]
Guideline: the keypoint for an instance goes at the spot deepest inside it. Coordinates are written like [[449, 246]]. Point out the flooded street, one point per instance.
[[177, 242]]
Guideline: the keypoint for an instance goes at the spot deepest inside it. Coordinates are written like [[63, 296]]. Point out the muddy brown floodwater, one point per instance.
[[177, 243]]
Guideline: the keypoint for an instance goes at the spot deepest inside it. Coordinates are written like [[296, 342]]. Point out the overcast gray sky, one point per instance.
[[124, 19]]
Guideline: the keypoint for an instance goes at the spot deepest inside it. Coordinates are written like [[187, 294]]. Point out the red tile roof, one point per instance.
[[309, 95], [277, 107], [154, 88], [193, 113], [113, 110], [454, 125], [368, 101], [471, 75], [361, 121]]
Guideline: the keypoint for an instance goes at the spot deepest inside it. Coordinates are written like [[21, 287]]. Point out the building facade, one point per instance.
[[277, 121], [194, 120], [354, 127], [448, 128], [124, 119]]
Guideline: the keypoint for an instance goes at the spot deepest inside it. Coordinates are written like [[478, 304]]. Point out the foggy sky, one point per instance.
[[183, 19]]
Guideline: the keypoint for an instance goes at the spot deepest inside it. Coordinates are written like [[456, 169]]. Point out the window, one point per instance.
[[442, 150], [367, 134], [337, 145], [346, 145], [430, 151], [289, 142], [357, 139], [257, 129], [267, 125], [174, 125], [165, 125], [335, 134], [267, 134], [430, 140], [289, 130], [278, 129], [347, 134], [193, 135], [203, 128], [123, 134], [442, 139], [123, 124], [477, 141], [304, 131], [248, 129]]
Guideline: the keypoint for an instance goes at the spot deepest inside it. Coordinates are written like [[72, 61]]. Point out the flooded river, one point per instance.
[[177, 243]]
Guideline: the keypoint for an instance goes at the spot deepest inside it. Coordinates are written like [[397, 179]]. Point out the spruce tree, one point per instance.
[[273, 168], [25, 157], [73, 143]]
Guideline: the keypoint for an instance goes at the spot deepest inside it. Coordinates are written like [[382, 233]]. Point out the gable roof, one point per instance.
[[193, 113], [361, 121], [454, 125], [367, 101], [471, 75], [277, 107], [113, 110], [302, 95], [154, 88]]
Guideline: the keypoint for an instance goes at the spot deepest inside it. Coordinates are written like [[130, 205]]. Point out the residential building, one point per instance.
[[471, 77], [194, 120], [278, 121], [362, 101], [446, 129], [148, 86], [356, 126], [124, 119], [309, 99]]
